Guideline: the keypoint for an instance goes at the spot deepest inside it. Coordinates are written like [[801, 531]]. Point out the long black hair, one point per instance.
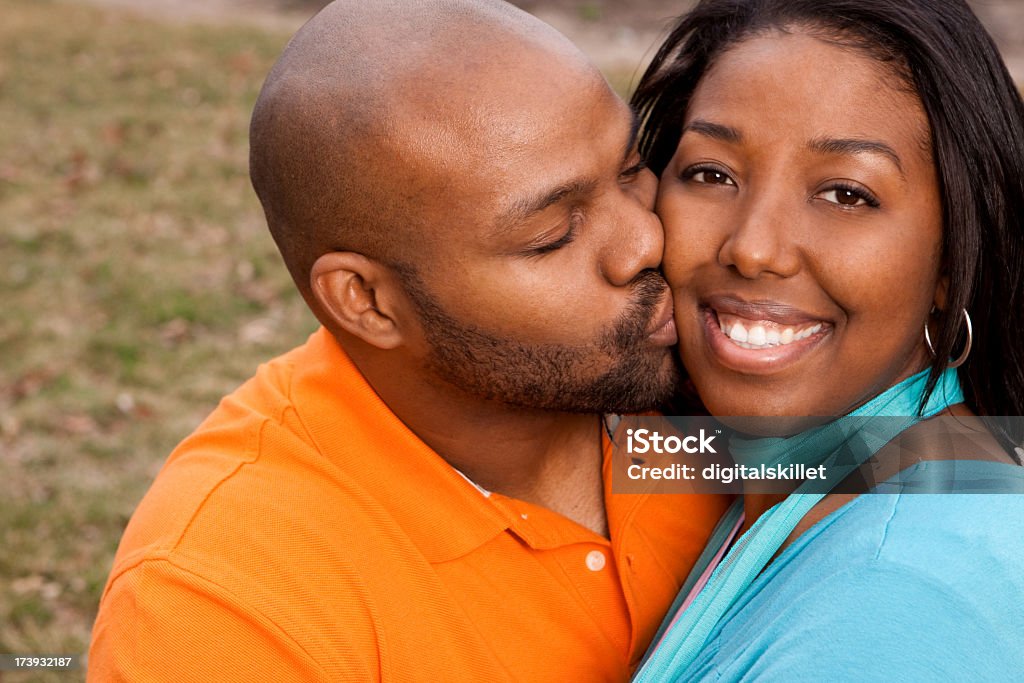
[[941, 51]]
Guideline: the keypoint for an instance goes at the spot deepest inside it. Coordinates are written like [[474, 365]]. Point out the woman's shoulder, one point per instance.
[[938, 517], [890, 585], [941, 500]]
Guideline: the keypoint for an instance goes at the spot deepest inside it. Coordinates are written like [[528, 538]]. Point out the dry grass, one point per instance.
[[139, 284]]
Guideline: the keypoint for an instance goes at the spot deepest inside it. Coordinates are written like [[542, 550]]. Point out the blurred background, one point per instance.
[[137, 280]]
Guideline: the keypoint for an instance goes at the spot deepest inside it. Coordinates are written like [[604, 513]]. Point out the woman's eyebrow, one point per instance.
[[855, 146], [714, 130]]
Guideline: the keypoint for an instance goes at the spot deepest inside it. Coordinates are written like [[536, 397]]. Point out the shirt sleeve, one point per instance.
[[877, 621], [159, 621]]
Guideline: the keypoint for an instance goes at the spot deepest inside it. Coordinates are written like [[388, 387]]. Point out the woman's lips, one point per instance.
[[764, 339], [767, 311]]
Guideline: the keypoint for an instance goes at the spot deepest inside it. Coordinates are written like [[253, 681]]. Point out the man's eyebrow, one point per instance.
[[634, 131], [524, 208], [521, 210], [855, 146], [714, 130]]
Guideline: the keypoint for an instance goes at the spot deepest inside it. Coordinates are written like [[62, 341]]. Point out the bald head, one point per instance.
[[375, 107]]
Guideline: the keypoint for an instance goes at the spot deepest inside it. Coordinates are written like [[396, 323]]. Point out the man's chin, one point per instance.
[[634, 387]]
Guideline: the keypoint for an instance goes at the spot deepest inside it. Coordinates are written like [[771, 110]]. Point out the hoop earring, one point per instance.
[[967, 348]]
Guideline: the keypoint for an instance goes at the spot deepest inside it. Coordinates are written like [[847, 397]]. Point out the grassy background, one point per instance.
[[138, 285]]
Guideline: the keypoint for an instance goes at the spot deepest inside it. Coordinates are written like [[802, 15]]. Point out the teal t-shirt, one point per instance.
[[890, 587]]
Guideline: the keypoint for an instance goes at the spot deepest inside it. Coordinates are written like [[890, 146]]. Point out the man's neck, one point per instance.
[[552, 460], [546, 458]]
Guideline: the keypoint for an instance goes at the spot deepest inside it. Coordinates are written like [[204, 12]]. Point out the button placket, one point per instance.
[[596, 560]]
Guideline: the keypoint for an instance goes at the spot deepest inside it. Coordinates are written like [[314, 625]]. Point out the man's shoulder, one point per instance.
[[251, 532], [249, 473], [246, 524], [287, 545]]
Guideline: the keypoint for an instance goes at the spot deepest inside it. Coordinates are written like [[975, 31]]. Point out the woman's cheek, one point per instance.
[[678, 223]]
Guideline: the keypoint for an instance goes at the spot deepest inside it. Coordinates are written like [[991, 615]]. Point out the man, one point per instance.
[[420, 493]]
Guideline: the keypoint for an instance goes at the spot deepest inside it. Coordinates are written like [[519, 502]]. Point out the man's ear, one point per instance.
[[360, 296]]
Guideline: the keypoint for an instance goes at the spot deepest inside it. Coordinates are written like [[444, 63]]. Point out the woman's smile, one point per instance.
[[760, 337]]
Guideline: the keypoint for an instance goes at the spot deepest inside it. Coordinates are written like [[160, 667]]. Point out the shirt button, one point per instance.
[[595, 560]]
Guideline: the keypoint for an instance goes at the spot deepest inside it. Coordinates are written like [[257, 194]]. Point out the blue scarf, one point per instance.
[[841, 446]]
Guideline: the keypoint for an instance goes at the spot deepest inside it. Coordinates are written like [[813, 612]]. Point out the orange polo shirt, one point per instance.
[[303, 533]]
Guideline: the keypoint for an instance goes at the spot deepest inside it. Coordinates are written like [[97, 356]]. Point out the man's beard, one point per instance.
[[619, 372]]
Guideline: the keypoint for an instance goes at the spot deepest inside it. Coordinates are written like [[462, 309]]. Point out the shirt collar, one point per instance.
[[369, 447]]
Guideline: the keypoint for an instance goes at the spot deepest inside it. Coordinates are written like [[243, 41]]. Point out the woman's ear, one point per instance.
[[359, 296], [941, 290]]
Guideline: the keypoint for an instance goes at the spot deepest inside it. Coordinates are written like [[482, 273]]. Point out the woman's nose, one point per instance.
[[762, 241]]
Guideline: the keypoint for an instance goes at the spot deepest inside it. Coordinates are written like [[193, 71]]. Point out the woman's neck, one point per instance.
[[963, 438], [819, 444]]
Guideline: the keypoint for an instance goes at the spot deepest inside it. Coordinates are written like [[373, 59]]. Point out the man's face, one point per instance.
[[540, 287]]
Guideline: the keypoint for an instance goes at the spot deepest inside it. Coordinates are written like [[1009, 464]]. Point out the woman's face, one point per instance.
[[803, 229]]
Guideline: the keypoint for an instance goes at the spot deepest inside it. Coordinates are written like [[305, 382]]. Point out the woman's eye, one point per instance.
[[844, 197], [849, 197], [708, 176]]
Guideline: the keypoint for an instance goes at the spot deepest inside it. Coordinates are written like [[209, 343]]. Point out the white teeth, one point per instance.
[[804, 334], [757, 336], [761, 335], [738, 333]]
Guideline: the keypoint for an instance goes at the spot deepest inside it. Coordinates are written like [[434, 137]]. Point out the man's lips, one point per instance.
[[663, 327]]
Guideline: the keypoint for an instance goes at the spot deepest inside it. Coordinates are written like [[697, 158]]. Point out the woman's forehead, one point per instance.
[[804, 86]]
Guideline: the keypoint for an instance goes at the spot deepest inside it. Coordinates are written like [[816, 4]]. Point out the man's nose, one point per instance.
[[637, 241]]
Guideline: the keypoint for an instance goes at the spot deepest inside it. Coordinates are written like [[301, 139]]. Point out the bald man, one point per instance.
[[421, 491]]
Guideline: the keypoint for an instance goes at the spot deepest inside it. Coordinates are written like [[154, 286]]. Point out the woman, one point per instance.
[[842, 188]]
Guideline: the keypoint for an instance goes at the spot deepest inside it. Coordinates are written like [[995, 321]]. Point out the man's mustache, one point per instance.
[[649, 287]]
